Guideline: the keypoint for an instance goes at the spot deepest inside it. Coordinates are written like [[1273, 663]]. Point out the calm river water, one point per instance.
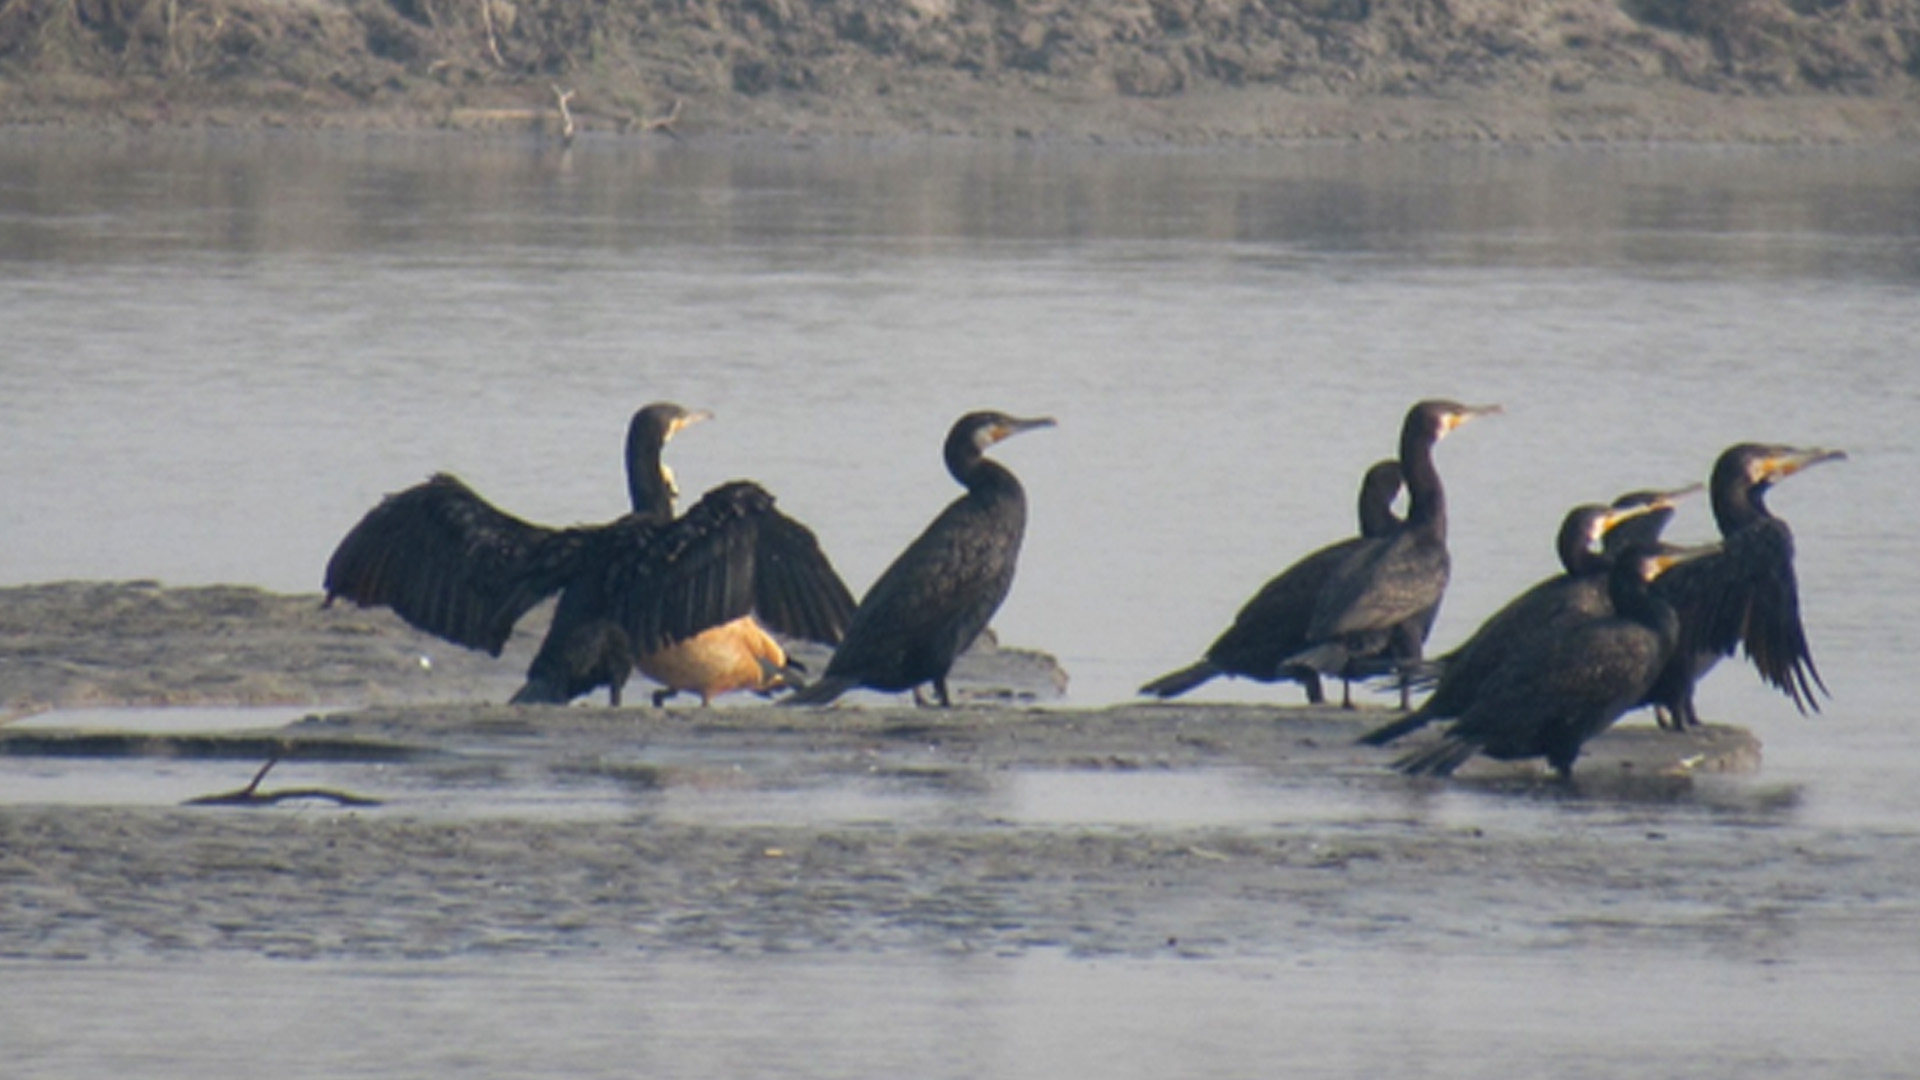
[[220, 352]]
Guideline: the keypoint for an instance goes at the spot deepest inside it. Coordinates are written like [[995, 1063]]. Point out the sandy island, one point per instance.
[[562, 829]]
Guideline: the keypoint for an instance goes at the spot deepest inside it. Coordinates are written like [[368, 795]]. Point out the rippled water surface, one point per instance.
[[969, 1016], [219, 353]]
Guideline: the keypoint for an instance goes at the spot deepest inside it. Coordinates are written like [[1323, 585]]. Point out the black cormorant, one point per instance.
[[1563, 687], [453, 565], [931, 603], [1747, 595], [1273, 625], [1382, 598], [1586, 536], [1642, 529]]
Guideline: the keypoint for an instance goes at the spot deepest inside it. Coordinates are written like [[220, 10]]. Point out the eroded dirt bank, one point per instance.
[[1189, 70]]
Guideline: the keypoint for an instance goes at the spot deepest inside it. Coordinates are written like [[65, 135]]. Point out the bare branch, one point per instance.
[[493, 42], [251, 795], [566, 114], [664, 124]]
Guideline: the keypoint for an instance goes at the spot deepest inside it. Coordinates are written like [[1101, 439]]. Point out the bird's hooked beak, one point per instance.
[[1012, 426], [1616, 514], [1455, 418], [1667, 556], [1783, 461], [1658, 500], [686, 420], [1640, 503]]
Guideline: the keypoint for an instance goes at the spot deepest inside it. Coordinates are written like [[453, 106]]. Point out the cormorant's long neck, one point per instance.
[[1377, 490], [647, 484], [1426, 498], [1739, 504], [1738, 495], [1575, 547], [984, 477], [1632, 599]]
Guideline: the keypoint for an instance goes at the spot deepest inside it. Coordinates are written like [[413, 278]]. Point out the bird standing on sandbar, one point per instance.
[[1748, 594], [644, 585], [938, 595], [1583, 543], [1559, 689], [1273, 625], [1382, 598]]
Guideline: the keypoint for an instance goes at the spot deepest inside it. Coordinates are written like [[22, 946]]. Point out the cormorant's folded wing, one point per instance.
[[1380, 583]]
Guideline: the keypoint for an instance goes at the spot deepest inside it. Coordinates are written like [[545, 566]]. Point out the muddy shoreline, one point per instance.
[[866, 828], [81, 644], [1623, 115], [586, 830]]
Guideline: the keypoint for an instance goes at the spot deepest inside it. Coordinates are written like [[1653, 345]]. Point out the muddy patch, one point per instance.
[[1150, 830], [82, 644]]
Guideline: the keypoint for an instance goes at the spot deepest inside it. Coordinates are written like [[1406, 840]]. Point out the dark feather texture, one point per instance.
[[452, 564], [1560, 687], [447, 561], [1382, 598], [1746, 597], [938, 595], [1272, 626]]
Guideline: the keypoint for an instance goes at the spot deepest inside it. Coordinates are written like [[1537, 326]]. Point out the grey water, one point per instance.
[[971, 1016], [219, 352]]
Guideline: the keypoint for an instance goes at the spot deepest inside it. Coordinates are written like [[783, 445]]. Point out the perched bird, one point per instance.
[[938, 595], [1747, 595], [1580, 592], [1562, 687], [1644, 528], [1273, 625], [672, 594], [1380, 601]]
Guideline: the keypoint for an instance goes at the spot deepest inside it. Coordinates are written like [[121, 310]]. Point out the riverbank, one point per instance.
[[1177, 71]]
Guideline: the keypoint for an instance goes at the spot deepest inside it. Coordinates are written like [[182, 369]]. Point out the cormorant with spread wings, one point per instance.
[[674, 595]]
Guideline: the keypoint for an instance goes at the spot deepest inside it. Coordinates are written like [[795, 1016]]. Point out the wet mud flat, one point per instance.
[[871, 888], [1203, 831], [79, 644], [1002, 826]]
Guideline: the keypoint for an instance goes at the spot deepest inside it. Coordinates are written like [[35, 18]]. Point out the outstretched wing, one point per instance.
[[1773, 636], [796, 590], [731, 554], [448, 562], [1747, 596]]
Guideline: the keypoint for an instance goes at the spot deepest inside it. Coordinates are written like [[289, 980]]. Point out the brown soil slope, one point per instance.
[[1796, 70]]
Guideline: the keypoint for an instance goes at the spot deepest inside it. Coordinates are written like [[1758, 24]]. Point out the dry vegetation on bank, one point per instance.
[[1794, 70]]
